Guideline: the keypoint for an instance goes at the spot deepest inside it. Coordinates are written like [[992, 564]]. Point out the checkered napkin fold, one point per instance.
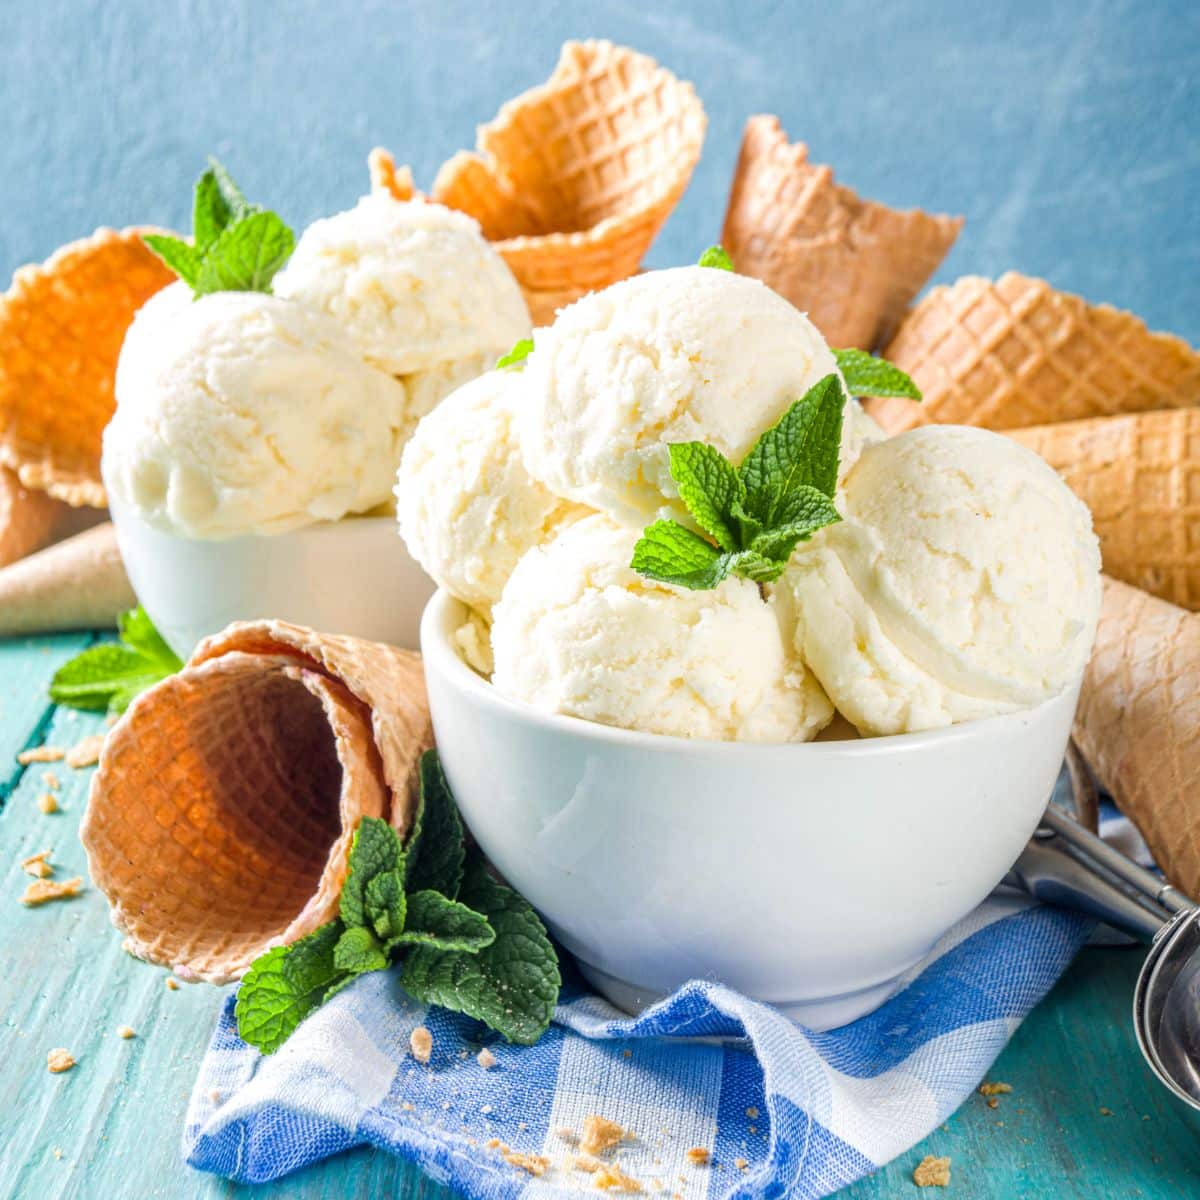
[[782, 1111]]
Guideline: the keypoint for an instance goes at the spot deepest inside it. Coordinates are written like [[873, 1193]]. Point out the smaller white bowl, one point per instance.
[[811, 877], [353, 576]]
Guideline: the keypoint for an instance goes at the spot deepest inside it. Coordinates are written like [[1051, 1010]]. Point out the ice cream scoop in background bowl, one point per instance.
[[810, 876]]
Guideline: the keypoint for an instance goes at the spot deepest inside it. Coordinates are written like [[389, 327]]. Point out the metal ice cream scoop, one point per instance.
[[1066, 863]]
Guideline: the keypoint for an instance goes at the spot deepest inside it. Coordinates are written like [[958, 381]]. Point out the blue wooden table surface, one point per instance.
[[1085, 1118]]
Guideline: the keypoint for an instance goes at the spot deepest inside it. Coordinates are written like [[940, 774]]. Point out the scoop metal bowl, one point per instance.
[[1067, 863]]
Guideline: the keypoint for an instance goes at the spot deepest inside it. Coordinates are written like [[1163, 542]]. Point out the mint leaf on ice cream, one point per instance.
[[710, 487], [866, 375], [716, 256], [516, 356], [672, 553]]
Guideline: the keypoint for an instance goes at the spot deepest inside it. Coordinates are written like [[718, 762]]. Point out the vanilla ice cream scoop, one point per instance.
[[689, 354], [468, 509], [238, 413], [415, 285], [963, 581], [577, 631]]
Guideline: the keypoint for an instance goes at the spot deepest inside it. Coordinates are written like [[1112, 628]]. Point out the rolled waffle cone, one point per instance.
[[853, 265], [1138, 723], [28, 519], [61, 328], [574, 178], [79, 583], [1140, 476], [1016, 353], [220, 820]]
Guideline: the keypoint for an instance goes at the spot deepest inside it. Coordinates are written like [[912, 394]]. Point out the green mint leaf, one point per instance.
[[386, 904], [375, 850], [710, 487], [866, 375], [435, 846], [807, 511], [757, 567], [800, 450], [211, 211], [246, 256], [716, 256], [111, 675], [516, 356], [511, 985], [284, 985], [182, 257], [231, 194], [358, 951], [444, 924], [671, 553]]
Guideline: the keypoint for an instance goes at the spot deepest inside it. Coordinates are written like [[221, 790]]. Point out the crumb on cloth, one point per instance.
[[42, 891], [600, 1134], [609, 1178], [420, 1044], [698, 1156], [932, 1172], [41, 754], [486, 1059], [59, 1060], [535, 1164]]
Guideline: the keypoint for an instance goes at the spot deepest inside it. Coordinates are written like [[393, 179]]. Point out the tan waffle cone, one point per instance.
[[1140, 476], [1016, 352], [61, 328], [77, 584], [1138, 723], [387, 177], [853, 265], [29, 519], [574, 178], [220, 820]]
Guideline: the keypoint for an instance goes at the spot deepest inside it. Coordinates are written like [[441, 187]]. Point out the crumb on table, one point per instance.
[[599, 1134], [172, 984], [932, 1172], [698, 1156], [38, 865], [50, 780], [40, 754], [86, 752], [420, 1044], [59, 1060], [41, 891], [995, 1089], [126, 1032], [46, 803]]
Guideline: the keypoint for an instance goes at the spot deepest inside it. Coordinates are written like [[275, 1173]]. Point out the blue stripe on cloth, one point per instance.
[[831, 1107]]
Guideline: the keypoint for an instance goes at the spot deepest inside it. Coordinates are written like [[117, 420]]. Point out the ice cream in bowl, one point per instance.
[[264, 400], [747, 692]]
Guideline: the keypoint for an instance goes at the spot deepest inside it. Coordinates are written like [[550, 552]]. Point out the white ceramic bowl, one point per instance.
[[353, 576], [807, 876]]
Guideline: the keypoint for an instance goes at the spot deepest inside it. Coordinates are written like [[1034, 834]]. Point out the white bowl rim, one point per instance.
[[437, 650]]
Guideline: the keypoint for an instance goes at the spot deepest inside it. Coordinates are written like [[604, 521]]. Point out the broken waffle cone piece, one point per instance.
[[29, 519], [1138, 723], [79, 583], [387, 177], [1140, 476], [1015, 353], [573, 179], [853, 265], [61, 328], [220, 820]]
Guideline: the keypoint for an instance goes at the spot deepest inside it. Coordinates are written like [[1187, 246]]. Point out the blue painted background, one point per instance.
[[1068, 132]]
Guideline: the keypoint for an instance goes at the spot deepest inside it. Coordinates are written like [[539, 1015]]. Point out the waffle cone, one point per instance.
[[220, 820], [573, 179], [1138, 723], [28, 519], [1140, 476], [79, 583], [1015, 353], [853, 265], [61, 328], [387, 177]]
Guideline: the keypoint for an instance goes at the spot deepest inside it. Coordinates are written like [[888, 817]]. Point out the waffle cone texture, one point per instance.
[[1138, 723], [1016, 353], [220, 820], [852, 265], [573, 179], [61, 328], [1140, 476]]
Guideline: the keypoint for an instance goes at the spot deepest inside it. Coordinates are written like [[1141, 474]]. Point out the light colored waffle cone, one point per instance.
[[387, 177], [77, 584], [220, 820], [1138, 723], [1015, 353], [853, 265], [29, 519], [573, 179], [61, 328], [1140, 476]]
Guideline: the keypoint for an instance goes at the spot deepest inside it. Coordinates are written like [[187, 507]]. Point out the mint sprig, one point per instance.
[[781, 494], [484, 953], [716, 256], [516, 357], [109, 676], [866, 375], [236, 246]]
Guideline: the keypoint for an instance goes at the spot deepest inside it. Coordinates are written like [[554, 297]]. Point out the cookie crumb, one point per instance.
[[568, 1135], [408, 1107], [172, 984], [993, 1102], [492, 1143], [420, 1044], [585, 1162], [38, 865], [626, 1053], [609, 1178], [41, 891], [86, 752], [599, 1134], [741, 1163], [752, 1113], [1105, 1112], [59, 1060], [932, 1172], [58, 1152], [995, 1089], [126, 1031], [535, 1164], [50, 780], [699, 1157], [215, 1096], [46, 803], [40, 754]]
